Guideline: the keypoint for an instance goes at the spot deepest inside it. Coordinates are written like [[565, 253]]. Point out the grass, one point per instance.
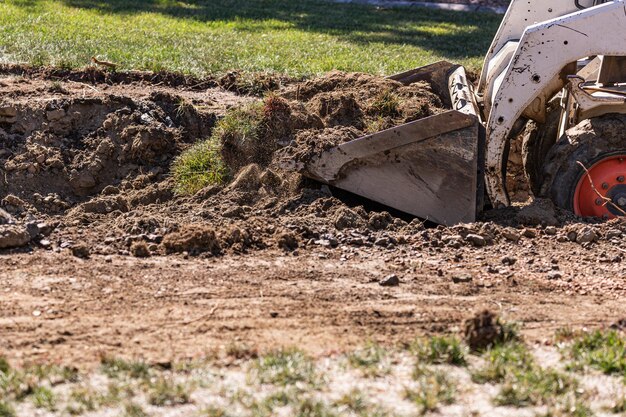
[[601, 350], [433, 389], [440, 350], [134, 410], [165, 392], [285, 367], [371, 360], [44, 398], [199, 166], [117, 368], [205, 37], [6, 410], [502, 360]]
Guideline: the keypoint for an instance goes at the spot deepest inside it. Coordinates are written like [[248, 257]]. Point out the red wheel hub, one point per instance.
[[602, 192]]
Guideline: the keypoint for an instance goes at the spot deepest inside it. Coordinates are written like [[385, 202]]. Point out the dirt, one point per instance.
[[101, 256]]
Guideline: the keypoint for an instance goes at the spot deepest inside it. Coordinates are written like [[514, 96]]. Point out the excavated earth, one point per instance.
[[99, 255]]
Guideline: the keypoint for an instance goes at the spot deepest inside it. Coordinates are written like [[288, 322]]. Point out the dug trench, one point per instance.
[[108, 248]]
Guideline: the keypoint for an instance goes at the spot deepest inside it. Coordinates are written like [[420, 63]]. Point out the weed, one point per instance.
[[116, 368], [371, 360], [5, 368], [533, 387], [164, 392], [285, 367], [602, 350], [375, 124], [433, 388], [6, 410], [312, 408], [199, 166], [44, 398], [354, 401], [134, 410], [440, 350], [502, 360], [214, 411]]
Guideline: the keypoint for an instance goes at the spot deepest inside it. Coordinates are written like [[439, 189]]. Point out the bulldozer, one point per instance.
[[555, 74]]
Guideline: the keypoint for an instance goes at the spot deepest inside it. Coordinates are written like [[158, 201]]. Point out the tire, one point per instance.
[[588, 142], [537, 141]]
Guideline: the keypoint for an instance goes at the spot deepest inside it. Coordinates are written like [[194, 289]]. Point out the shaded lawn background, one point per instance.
[[202, 37]]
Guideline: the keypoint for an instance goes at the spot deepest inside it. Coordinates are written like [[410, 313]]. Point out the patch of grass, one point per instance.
[[569, 409], [117, 368], [165, 392], [312, 408], [386, 104], [5, 368], [206, 37], [134, 410], [354, 401], [371, 360], [43, 397], [433, 389], [285, 367], [601, 350], [199, 166], [535, 386], [440, 350], [6, 410], [502, 360]]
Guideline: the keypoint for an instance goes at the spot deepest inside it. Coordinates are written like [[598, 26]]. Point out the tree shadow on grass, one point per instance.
[[451, 34]]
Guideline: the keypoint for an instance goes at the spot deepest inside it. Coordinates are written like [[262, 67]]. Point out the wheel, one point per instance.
[[536, 143], [600, 145]]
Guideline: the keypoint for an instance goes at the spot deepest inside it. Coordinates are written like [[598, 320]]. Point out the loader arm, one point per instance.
[[539, 68]]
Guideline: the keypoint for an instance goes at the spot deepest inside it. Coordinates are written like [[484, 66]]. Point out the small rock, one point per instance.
[[347, 218], [554, 275], [13, 236], [81, 251], [235, 212], [33, 229], [586, 235], [550, 231], [273, 314], [613, 234], [390, 281], [511, 234], [8, 111], [508, 260], [476, 240], [462, 279], [572, 235], [5, 217], [382, 241], [529, 233]]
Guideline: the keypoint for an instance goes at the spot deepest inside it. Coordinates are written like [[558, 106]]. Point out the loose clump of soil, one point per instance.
[[89, 165]]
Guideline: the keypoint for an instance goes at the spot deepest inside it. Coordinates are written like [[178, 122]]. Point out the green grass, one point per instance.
[[285, 367], [44, 398], [204, 37], [502, 360], [601, 350], [440, 350], [165, 392], [199, 166], [6, 410], [433, 389], [371, 360], [116, 368]]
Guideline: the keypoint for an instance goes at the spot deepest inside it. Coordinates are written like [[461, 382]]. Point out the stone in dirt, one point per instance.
[[390, 281], [13, 236], [540, 212], [81, 251], [140, 249], [287, 240]]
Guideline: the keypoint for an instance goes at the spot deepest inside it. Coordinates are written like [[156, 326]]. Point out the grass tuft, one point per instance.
[[433, 389], [371, 360], [6, 410], [533, 387], [199, 166], [601, 350], [165, 392], [285, 367], [386, 104], [43, 397], [134, 410], [440, 350], [502, 360], [116, 368]]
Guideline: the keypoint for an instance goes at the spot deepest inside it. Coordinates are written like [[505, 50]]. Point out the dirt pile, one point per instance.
[[89, 164]]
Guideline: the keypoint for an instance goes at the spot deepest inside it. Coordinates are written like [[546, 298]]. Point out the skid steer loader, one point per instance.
[[553, 69]]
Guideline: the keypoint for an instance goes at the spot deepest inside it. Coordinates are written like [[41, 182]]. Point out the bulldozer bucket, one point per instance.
[[430, 168]]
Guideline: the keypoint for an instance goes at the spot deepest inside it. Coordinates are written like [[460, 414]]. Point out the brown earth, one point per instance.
[[102, 257]]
